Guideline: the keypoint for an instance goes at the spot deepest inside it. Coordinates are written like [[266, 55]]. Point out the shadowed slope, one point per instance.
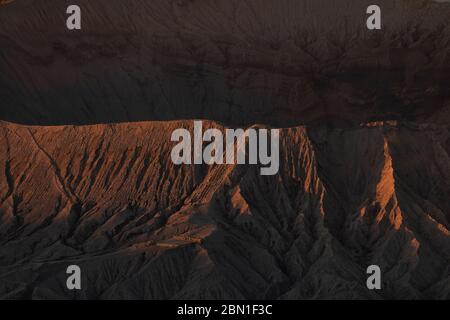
[[236, 62], [108, 198]]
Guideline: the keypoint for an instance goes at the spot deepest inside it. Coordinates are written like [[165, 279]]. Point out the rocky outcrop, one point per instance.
[[108, 198], [86, 176]]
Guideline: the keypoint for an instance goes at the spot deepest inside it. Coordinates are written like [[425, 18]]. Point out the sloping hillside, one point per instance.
[[108, 198]]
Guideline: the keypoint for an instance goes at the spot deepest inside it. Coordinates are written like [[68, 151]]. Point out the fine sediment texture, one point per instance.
[[86, 176], [284, 63], [108, 198]]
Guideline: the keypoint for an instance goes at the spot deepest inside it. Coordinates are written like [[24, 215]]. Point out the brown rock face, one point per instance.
[[86, 176], [108, 198]]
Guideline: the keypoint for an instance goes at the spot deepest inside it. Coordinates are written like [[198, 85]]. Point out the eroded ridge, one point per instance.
[[108, 198]]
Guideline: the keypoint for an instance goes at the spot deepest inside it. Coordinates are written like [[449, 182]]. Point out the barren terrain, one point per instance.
[[86, 176]]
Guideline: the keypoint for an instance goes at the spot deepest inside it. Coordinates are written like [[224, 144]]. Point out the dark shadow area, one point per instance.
[[307, 62]]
